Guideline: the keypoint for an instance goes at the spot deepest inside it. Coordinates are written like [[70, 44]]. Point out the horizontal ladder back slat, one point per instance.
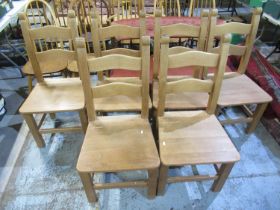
[[189, 85], [233, 50], [116, 88], [55, 55], [193, 58], [119, 31], [122, 51], [114, 62], [50, 33], [233, 27], [178, 49], [180, 29]]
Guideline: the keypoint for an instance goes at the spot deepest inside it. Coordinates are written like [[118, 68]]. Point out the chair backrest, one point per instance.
[[168, 7], [126, 9], [39, 13], [190, 84], [178, 30], [247, 30], [114, 61], [61, 8], [57, 48], [119, 32], [196, 6]]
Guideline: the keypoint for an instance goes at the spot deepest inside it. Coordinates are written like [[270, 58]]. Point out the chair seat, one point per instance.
[[180, 101], [118, 143], [55, 95], [194, 137], [240, 90], [45, 67], [73, 66]]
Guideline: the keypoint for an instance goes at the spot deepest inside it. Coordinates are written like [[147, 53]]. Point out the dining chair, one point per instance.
[[124, 9], [196, 6], [238, 89], [182, 100], [57, 94], [108, 34], [61, 8], [168, 7], [39, 13], [122, 142], [190, 138]]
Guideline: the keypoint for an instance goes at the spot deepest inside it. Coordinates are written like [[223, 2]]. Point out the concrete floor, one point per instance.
[[47, 179]]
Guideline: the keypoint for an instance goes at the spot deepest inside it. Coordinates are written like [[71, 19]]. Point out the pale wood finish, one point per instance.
[[181, 141], [51, 95], [178, 30], [117, 143], [196, 6], [168, 7]]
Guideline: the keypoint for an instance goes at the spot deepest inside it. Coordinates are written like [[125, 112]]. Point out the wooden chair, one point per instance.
[[193, 137], [51, 95], [196, 6], [61, 8], [83, 9], [124, 9], [179, 101], [237, 88], [100, 35], [39, 14], [117, 143], [168, 7]]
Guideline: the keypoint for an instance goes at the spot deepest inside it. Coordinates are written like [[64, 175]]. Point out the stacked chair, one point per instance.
[[185, 102]]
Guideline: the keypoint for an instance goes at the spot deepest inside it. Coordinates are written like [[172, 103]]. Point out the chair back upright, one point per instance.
[[178, 30], [116, 32], [57, 48], [249, 31], [168, 7], [196, 6], [189, 84], [113, 61]]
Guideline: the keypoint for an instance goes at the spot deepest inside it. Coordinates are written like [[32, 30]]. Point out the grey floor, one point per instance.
[[47, 179]]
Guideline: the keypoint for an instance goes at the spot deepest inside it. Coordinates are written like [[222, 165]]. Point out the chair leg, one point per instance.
[[152, 182], [83, 119], [222, 176], [163, 174], [29, 83], [88, 186], [34, 129], [256, 117]]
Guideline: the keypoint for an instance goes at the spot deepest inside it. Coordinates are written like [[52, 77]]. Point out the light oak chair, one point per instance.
[[101, 35], [117, 143], [168, 7], [237, 88], [196, 6], [193, 137], [51, 95], [182, 100], [39, 13]]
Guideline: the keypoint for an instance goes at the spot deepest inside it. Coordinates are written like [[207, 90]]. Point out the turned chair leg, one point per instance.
[[29, 83], [223, 173], [256, 117], [163, 174], [83, 119], [152, 183], [34, 129], [88, 186]]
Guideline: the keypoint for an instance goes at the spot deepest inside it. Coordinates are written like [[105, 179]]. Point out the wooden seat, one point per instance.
[[192, 137], [181, 139], [51, 95], [237, 89], [59, 95], [117, 143], [179, 101]]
